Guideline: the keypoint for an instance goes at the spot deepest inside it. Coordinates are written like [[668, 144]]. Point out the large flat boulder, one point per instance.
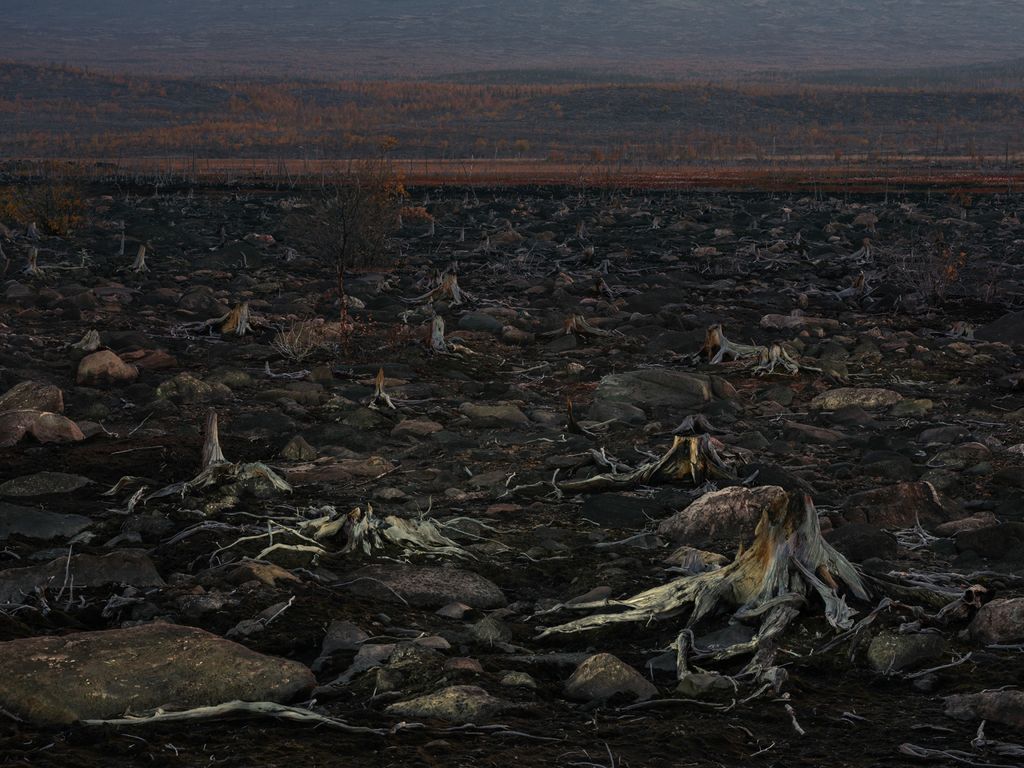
[[426, 586], [656, 388], [101, 675], [127, 566], [729, 514], [899, 506], [44, 426], [33, 396]]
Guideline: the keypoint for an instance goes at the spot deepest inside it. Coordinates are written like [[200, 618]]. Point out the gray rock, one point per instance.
[[899, 506], [478, 321], [43, 484], [1000, 621], [863, 397], [38, 524], [518, 680], [126, 566], [860, 541], [494, 415], [656, 388], [33, 396], [890, 652], [615, 510], [426, 586], [456, 704], [186, 388], [99, 675], [297, 449], [1006, 707], [416, 428], [699, 685], [342, 636], [104, 367], [731, 514], [602, 676], [490, 630]]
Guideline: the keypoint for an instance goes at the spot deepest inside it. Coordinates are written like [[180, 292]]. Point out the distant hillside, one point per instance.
[[412, 38]]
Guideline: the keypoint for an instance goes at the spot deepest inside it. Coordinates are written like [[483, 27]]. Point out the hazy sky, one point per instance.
[[431, 36]]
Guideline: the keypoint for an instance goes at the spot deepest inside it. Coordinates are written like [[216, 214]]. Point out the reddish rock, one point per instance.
[[44, 427], [104, 367]]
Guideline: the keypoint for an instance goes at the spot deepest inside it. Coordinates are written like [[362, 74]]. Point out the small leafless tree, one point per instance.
[[350, 222]]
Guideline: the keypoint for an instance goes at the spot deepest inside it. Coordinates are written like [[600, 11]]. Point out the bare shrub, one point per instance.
[[300, 340]]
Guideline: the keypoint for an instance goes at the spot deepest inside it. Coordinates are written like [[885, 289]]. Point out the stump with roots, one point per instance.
[[236, 321], [363, 530], [770, 357], [690, 459], [770, 580], [217, 471], [577, 325], [33, 268], [718, 347], [447, 290], [139, 265], [90, 342], [381, 400], [436, 340]]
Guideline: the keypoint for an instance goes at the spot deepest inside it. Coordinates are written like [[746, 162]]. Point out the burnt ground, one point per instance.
[[769, 268]]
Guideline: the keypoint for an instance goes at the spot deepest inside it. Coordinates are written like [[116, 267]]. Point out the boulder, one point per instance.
[[44, 426], [43, 484], [1003, 706], [104, 367], [1009, 329], [899, 506], [1000, 621], [603, 676], [494, 415], [186, 388], [425, 586], [33, 396], [656, 388], [863, 397], [101, 675], [126, 566], [729, 514], [995, 542], [861, 541], [456, 704], [890, 652], [38, 524]]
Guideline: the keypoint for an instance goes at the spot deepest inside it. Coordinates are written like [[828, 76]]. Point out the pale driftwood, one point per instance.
[[787, 558], [237, 709], [690, 459], [237, 321]]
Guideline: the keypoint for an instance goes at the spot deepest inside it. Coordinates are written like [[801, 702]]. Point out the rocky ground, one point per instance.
[[141, 572]]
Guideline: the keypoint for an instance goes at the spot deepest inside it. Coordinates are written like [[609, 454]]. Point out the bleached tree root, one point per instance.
[[691, 459], [90, 342], [237, 709], [237, 322], [787, 559]]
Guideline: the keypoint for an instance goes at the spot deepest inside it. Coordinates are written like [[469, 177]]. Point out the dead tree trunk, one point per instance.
[[787, 560], [212, 454]]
